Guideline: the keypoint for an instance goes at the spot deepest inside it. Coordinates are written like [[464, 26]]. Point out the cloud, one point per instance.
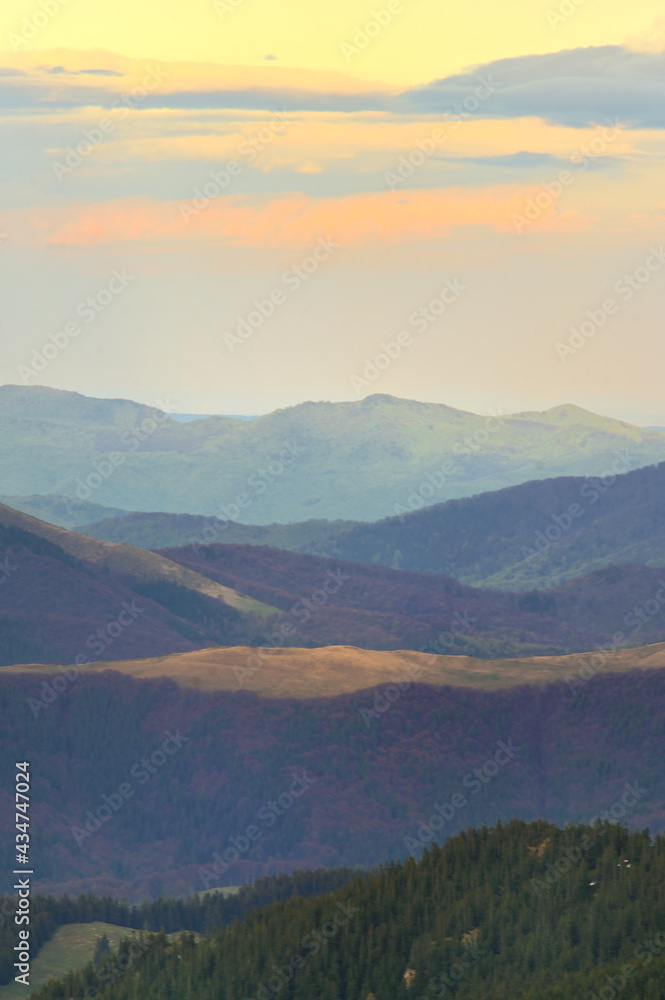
[[258, 99], [575, 87], [100, 72], [525, 160], [295, 220], [521, 160], [60, 70], [40, 97]]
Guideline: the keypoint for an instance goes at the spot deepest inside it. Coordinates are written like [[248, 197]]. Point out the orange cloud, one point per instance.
[[296, 220]]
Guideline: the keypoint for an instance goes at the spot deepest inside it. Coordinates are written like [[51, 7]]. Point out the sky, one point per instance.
[[231, 206]]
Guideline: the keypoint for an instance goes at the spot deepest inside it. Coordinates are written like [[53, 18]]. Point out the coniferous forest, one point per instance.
[[518, 912]]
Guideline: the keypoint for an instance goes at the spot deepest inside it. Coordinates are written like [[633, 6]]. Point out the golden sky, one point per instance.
[[423, 40], [219, 142]]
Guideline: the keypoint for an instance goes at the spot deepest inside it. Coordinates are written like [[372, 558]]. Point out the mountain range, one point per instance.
[[67, 596], [145, 787], [518, 538], [360, 461]]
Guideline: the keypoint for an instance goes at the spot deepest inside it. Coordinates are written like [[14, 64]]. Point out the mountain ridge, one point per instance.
[[508, 539], [353, 460]]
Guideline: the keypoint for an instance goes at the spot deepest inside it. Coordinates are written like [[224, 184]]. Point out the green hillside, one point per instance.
[[356, 460], [535, 535], [520, 912], [61, 512], [519, 538], [165, 531], [71, 947]]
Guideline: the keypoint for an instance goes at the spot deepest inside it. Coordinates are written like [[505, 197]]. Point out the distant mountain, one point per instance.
[[537, 535], [359, 461], [61, 512], [363, 782], [161, 531], [519, 538], [332, 602], [61, 587], [65, 598]]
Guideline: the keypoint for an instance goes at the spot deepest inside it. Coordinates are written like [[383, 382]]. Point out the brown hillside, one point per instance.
[[123, 558], [334, 670]]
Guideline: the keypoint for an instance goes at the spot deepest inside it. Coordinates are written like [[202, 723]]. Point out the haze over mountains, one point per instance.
[[272, 648], [518, 538], [324, 460], [67, 596]]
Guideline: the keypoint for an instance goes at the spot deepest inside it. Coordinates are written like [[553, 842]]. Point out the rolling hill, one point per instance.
[[522, 537], [517, 912], [65, 598], [354, 460], [330, 671], [140, 783], [66, 594], [162, 531], [71, 947], [330, 602], [519, 538], [147, 566], [65, 931], [63, 513]]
